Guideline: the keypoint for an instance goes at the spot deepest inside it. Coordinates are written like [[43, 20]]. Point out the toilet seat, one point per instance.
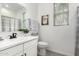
[[42, 44]]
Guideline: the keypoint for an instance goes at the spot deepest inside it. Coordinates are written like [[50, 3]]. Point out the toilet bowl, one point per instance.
[[42, 48]]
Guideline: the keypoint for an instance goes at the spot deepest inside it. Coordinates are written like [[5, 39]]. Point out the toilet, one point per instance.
[[42, 46]]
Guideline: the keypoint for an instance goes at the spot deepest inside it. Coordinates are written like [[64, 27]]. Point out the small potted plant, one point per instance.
[[24, 30]]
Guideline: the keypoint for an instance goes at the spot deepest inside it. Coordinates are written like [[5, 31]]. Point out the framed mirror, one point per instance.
[[61, 14]]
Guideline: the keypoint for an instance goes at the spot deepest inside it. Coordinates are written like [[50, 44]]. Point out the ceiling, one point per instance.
[[13, 6]]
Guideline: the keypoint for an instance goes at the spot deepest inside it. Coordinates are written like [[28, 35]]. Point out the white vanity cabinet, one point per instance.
[[12, 51], [26, 48], [30, 48]]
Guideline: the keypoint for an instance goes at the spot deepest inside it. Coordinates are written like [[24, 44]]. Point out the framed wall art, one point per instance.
[[45, 20]]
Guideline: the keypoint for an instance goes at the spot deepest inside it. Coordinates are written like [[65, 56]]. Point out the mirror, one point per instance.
[[12, 17]]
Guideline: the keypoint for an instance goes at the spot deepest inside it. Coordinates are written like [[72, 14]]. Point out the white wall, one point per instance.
[[61, 39]]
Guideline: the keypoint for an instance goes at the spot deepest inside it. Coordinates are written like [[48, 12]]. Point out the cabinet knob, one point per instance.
[[25, 54]]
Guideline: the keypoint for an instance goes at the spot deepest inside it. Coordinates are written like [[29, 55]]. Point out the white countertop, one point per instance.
[[13, 42]]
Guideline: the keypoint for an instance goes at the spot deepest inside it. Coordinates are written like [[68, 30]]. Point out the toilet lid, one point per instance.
[[43, 43]]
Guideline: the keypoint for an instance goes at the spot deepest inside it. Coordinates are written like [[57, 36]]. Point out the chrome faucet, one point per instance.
[[13, 35]]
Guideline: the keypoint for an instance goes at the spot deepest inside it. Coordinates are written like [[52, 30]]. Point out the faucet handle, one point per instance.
[[10, 37]]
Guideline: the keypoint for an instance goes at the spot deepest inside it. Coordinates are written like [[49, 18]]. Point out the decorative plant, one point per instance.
[[20, 30], [24, 30]]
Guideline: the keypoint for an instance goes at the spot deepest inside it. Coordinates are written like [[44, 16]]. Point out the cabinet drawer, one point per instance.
[[12, 51], [30, 43]]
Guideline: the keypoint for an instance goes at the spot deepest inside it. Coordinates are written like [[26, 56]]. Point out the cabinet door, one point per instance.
[[30, 48], [12, 51], [31, 51]]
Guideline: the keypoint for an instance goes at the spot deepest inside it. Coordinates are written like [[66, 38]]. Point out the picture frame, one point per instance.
[[44, 20]]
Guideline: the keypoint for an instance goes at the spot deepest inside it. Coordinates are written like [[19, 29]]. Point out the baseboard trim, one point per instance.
[[56, 52]]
